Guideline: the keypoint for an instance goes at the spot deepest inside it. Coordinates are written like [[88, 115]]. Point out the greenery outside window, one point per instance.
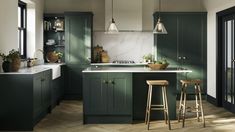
[[22, 29]]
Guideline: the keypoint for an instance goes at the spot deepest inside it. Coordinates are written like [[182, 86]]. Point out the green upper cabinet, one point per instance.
[[107, 93], [185, 45], [78, 43], [78, 37], [167, 49], [192, 37]]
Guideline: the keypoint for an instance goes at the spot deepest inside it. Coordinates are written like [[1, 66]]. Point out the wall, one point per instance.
[[8, 25], [126, 45], [98, 8], [213, 6]]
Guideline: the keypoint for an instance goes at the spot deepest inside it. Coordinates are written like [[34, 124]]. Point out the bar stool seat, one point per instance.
[[163, 107], [183, 98]]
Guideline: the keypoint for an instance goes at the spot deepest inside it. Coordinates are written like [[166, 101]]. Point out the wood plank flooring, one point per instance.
[[67, 117]]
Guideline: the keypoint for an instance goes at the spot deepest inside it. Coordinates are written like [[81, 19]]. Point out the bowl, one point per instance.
[[158, 66]]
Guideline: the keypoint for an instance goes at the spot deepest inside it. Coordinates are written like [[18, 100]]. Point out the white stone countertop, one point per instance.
[[118, 64], [133, 70], [35, 69]]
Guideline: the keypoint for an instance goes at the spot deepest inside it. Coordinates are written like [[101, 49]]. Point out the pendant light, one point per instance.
[[112, 28], [159, 28]]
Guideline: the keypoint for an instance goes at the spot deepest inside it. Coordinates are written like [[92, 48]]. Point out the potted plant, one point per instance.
[[148, 58], [11, 62], [59, 54]]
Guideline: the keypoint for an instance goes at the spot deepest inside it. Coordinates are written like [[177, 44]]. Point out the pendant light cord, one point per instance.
[[112, 9], [159, 8]]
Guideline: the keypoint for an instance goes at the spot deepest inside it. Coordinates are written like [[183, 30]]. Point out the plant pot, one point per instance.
[[6, 66], [15, 64]]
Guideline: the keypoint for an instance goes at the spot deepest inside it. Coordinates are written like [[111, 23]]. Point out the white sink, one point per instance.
[[56, 70]]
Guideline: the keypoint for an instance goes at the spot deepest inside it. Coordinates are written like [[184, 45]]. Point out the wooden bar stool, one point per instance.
[[183, 96], [164, 106]]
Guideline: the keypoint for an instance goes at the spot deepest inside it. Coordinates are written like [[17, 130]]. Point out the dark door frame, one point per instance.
[[219, 50]]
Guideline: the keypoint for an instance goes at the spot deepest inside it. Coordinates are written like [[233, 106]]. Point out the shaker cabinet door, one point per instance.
[[95, 93], [120, 93]]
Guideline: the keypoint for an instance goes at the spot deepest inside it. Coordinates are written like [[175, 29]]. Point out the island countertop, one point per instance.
[[133, 70]]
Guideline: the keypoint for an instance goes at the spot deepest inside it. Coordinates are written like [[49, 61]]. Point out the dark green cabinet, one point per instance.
[[25, 99], [41, 94], [107, 97], [57, 87], [78, 39], [185, 45]]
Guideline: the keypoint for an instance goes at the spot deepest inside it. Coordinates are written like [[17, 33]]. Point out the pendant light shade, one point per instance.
[[112, 28], [159, 27]]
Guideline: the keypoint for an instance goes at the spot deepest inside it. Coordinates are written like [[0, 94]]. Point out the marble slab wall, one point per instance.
[[125, 45]]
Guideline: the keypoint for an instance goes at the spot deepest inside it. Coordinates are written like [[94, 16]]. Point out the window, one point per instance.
[[22, 28]]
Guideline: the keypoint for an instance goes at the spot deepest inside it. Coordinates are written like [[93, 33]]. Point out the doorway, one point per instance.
[[226, 59]]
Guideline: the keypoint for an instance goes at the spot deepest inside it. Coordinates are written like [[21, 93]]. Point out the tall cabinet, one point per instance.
[[78, 39], [185, 45]]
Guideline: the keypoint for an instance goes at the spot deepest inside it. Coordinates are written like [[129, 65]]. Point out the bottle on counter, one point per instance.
[[98, 57]]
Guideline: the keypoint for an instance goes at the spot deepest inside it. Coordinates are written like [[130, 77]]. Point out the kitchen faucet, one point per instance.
[[35, 57]]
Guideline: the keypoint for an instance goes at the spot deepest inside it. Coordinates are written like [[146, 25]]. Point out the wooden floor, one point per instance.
[[67, 117]]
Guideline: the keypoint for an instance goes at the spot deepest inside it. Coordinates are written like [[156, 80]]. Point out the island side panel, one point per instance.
[[140, 89]]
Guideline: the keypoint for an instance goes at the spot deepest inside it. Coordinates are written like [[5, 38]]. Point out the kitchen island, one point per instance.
[[118, 94]]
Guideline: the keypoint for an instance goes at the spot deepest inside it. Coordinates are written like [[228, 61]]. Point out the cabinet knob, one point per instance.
[[111, 81], [179, 57], [105, 81], [184, 57]]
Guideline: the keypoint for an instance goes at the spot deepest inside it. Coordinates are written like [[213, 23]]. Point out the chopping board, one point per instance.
[[97, 53], [104, 57]]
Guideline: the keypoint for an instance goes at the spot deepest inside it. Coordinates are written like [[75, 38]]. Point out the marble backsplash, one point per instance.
[[125, 45]]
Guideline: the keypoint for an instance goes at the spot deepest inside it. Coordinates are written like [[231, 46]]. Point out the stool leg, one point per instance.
[[166, 107], [184, 105], [164, 103], [149, 106], [202, 112], [180, 104], [196, 100]]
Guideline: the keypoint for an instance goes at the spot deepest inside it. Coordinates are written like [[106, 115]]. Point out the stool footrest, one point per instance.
[[157, 105], [158, 109]]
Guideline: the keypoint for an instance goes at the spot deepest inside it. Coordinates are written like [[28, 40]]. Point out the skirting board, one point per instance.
[[212, 100]]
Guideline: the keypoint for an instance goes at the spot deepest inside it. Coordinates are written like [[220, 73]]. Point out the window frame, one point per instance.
[[22, 28]]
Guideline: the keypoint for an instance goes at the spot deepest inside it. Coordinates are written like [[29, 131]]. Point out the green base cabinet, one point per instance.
[[25, 100], [107, 97], [57, 87], [185, 45], [78, 43]]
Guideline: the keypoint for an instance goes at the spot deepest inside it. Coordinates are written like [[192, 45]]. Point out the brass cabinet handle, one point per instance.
[[105, 81], [111, 81]]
